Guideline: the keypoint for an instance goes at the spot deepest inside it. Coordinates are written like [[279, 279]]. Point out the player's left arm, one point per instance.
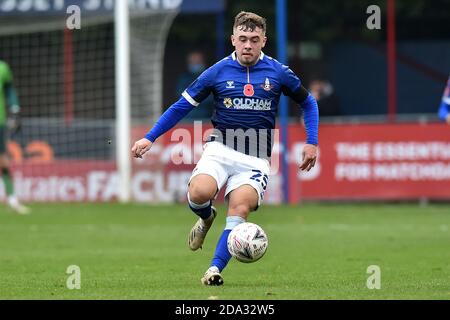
[[444, 113], [444, 108], [293, 88], [310, 111]]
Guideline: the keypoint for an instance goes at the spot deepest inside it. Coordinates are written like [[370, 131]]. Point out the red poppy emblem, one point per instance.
[[248, 90]]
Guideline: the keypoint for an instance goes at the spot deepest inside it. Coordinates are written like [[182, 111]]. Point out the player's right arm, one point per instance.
[[191, 98]]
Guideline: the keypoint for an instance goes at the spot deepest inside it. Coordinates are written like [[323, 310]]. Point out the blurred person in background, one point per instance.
[[444, 109], [195, 65], [9, 121], [323, 91]]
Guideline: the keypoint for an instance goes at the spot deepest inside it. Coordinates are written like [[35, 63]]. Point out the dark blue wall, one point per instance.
[[358, 73]]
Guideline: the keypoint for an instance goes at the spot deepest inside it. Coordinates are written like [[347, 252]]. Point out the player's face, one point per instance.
[[248, 45]]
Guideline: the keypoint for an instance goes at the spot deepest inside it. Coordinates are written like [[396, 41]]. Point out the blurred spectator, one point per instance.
[[323, 92], [9, 121], [444, 109], [195, 66]]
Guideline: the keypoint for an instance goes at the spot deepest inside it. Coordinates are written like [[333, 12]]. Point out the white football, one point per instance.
[[247, 242]]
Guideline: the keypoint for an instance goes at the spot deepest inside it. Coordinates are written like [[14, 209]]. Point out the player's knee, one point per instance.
[[199, 194], [241, 209]]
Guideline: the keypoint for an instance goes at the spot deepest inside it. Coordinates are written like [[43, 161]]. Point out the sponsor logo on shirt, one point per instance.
[[230, 85], [248, 103], [227, 102]]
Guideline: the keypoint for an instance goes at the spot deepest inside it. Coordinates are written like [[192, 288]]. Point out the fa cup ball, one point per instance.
[[247, 242]]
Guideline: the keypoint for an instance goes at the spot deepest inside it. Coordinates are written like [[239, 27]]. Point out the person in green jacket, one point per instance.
[[8, 121]]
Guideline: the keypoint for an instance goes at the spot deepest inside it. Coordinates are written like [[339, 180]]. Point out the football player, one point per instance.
[[246, 86]]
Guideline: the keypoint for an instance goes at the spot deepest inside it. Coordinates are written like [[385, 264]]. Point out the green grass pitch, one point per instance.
[[316, 251]]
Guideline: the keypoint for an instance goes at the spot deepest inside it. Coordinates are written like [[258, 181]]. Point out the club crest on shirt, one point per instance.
[[267, 86]]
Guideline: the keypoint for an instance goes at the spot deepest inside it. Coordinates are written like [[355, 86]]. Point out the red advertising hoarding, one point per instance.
[[364, 161], [376, 161]]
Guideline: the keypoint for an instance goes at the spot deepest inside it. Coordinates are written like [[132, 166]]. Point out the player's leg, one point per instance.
[[202, 189], [6, 175], [241, 201], [207, 178], [244, 192], [12, 200]]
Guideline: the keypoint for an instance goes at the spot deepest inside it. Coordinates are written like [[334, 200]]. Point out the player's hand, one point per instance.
[[448, 119], [309, 157], [14, 123], [141, 147]]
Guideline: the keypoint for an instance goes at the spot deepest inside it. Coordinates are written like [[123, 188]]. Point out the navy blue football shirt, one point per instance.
[[245, 97]]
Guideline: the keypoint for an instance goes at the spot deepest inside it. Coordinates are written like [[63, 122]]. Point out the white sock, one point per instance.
[[233, 221], [213, 269], [12, 200]]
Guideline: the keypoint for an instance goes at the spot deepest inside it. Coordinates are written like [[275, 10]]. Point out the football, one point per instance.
[[247, 242]]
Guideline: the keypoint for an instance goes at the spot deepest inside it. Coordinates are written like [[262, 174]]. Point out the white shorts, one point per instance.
[[225, 164]]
